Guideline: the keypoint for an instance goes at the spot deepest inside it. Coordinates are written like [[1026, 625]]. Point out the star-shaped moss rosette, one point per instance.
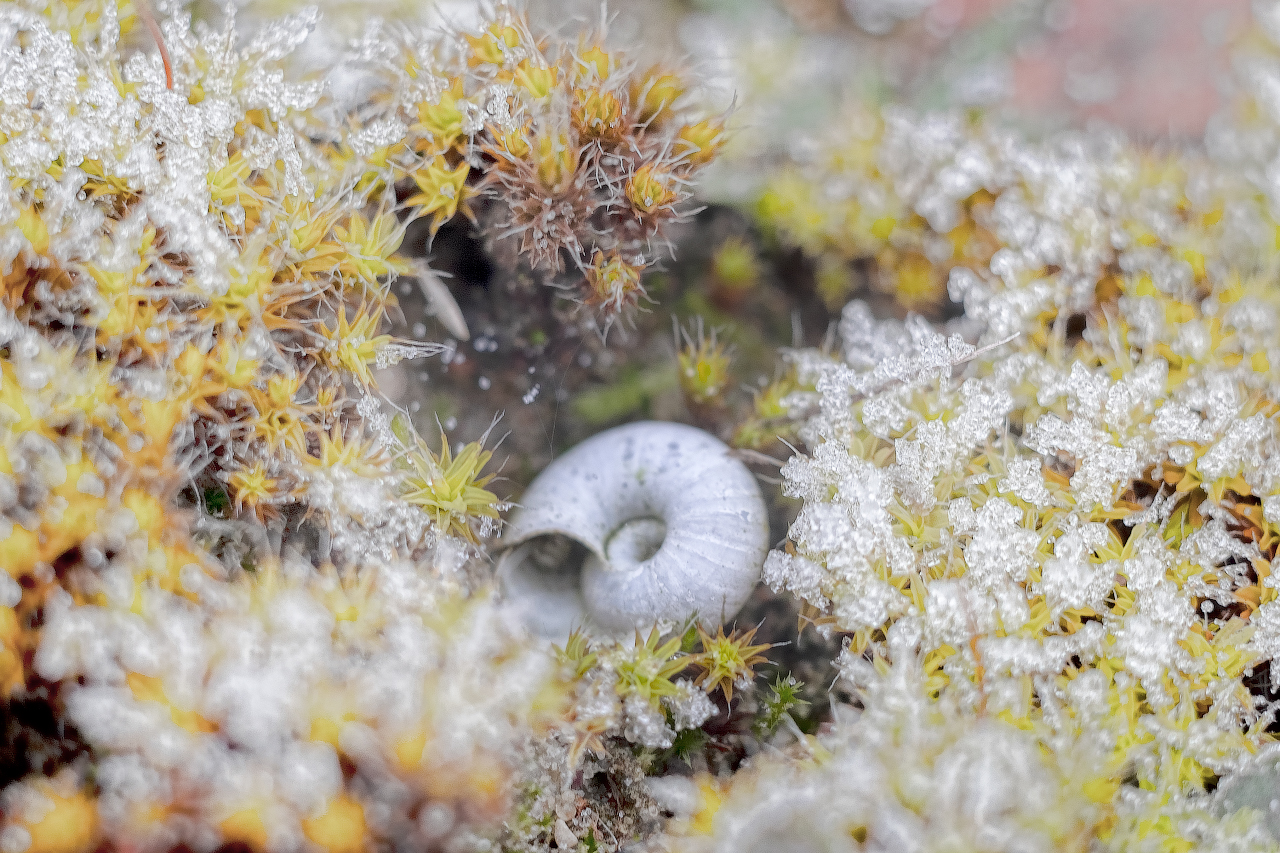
[[728, 661]]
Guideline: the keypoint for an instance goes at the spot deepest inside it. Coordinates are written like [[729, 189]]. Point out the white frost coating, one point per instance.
[[1271, 508], [10, 592], [689, 706], [14, 839], [674, 526]]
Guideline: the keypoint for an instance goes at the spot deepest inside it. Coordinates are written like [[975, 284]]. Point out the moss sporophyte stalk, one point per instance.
[[254, 598]]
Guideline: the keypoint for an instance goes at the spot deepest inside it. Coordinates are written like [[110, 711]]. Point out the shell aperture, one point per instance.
[[671, 525]]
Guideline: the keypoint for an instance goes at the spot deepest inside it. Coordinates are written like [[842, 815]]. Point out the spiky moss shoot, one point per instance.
[[442, 191], [355, 346], [784, 696], [613, 284], [439, 124], [593, 65], [340, 446], [704, 365], [555, 161], [653, 94], [279, 420], [650, 189], [700, 142], [728, 661], [544, 180], [538, 80], [253, 489], [647, 670], [597, 115], [576, 655], [451, 489], [770, 419], [735, 270], [369, 248], [493, 46]]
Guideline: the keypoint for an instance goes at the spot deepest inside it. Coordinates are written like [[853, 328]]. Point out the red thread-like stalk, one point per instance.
[[144, 9]]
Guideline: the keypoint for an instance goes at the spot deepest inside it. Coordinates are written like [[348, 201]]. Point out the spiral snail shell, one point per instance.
[[644, 522]]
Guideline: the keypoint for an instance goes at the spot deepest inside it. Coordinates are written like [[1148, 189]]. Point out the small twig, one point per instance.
[[440, 302], [989, 347], [144, 9], [755, 457]]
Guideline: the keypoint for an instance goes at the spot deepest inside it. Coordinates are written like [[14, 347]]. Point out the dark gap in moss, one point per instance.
[[458, 250], [1076, 324], [1257, 681], [1122, 531], [34, 736]]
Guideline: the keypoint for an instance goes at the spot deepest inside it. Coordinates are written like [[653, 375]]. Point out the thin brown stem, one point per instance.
[[144, 9]]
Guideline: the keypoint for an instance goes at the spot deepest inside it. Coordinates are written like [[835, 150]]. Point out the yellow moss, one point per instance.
[[649, 189], [441, 191], [247, 827], [704, 366], [653, 94], [148, 688], [341, 828], [408, 749], [449, 488], [537, 80], [702, 140], [32, 226], [710, 799], [11, 674], [71, 826], [19, 551]]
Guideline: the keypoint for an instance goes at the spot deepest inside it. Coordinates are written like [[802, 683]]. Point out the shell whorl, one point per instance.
[[672, 525]]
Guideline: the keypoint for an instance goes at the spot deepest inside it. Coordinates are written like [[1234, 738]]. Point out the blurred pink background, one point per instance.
[[1152, 67]]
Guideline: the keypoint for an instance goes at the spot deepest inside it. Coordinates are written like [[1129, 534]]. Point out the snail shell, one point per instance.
[[645, 522]]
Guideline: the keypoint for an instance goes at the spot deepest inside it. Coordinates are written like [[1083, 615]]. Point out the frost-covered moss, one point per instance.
[[1061, 507], [250, 607], [257, 607]]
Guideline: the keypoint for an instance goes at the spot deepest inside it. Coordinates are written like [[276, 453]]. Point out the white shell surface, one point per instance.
[[621, 494]]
